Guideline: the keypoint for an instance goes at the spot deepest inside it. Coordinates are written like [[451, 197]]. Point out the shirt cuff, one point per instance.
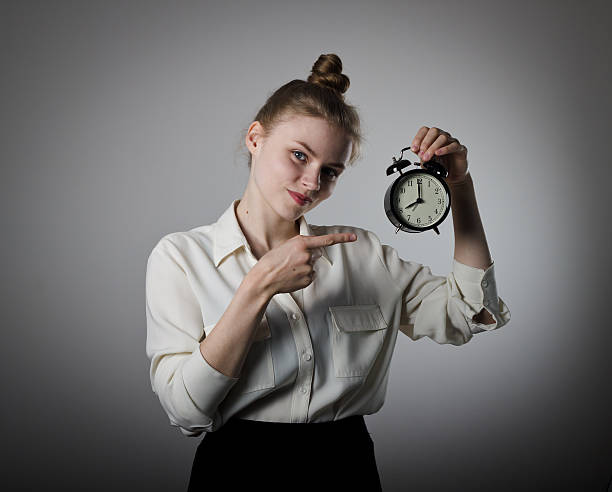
[[479, 290], [206, 386]]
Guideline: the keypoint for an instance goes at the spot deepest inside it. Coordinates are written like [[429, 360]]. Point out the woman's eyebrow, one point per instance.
[[305, 145]]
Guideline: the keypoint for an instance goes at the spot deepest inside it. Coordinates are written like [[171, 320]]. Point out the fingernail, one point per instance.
[[415, 148], [353, 237], [426, 156]]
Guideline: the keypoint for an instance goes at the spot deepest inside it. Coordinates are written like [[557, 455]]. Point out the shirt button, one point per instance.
[[304, 389], [485, 283], [307, 356], [294, 316]]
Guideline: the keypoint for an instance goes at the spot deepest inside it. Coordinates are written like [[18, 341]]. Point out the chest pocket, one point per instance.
[[258, 370], [357, 334]]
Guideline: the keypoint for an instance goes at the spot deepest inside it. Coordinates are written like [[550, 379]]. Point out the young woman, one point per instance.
[[274, 336]]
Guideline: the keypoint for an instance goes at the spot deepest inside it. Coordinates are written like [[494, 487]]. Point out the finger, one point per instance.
[[418, 138], [442, 140], [315, 255], [452, 147], [430, 137], [329, 239], [307, 279]]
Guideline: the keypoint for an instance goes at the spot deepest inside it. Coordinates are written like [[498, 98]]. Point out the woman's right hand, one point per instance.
[[289, 266]]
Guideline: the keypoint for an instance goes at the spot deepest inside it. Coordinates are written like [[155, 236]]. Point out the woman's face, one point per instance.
[[303, 155]]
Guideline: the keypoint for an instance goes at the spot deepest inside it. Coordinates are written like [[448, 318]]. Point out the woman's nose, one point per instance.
[[311, 179]]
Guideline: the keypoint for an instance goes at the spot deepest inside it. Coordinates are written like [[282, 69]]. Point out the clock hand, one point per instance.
[[415, 203], [420, 196]]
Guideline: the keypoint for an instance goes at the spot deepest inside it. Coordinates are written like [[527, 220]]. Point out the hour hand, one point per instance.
[[415, 203]]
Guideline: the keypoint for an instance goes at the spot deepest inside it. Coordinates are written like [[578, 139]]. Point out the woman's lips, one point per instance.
[[298, 198]]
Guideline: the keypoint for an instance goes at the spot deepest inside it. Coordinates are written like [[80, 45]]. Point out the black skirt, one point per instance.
[[286, 456]]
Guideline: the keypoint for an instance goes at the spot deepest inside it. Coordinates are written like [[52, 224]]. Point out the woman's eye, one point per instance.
[[298, 152], [331, 172]]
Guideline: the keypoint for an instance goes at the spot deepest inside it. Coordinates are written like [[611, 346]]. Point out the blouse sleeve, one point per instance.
[[442, 308], [189, 389]]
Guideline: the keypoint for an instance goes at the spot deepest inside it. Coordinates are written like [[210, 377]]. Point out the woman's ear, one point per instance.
[[254, 137]]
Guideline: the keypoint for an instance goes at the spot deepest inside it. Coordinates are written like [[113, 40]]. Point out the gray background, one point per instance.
[[123, 121]]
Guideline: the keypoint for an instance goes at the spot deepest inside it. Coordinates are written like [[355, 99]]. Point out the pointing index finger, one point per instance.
[[329, 239]]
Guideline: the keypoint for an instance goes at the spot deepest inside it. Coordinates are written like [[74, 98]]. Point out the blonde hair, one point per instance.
[[321, 95]]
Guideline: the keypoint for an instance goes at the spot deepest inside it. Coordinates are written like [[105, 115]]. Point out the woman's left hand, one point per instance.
[[432, 143]]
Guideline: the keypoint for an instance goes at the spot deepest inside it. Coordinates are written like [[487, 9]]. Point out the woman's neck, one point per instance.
[[262, 227]]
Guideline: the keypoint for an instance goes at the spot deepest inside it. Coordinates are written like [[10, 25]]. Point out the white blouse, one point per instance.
[[324, 357]]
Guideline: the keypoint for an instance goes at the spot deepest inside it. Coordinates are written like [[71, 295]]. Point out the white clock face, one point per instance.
[[420, 200]]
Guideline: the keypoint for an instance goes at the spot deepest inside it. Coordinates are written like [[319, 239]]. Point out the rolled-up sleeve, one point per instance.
[[189, 389], [442, 308], [478, 289]]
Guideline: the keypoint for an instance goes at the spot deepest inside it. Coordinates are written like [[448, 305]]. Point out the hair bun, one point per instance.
[[327, 71]]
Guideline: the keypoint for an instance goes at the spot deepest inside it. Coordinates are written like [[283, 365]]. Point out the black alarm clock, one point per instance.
[[419, 199]]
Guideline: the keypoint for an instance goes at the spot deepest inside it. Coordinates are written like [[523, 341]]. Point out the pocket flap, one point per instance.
[[358, 318]]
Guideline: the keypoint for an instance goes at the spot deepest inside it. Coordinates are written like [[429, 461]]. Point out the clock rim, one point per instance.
[[398, 221]]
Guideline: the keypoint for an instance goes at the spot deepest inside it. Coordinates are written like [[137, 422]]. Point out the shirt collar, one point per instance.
[[228, 236]]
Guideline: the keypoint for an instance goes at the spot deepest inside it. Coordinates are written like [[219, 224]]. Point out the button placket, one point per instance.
[[303, 343]]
